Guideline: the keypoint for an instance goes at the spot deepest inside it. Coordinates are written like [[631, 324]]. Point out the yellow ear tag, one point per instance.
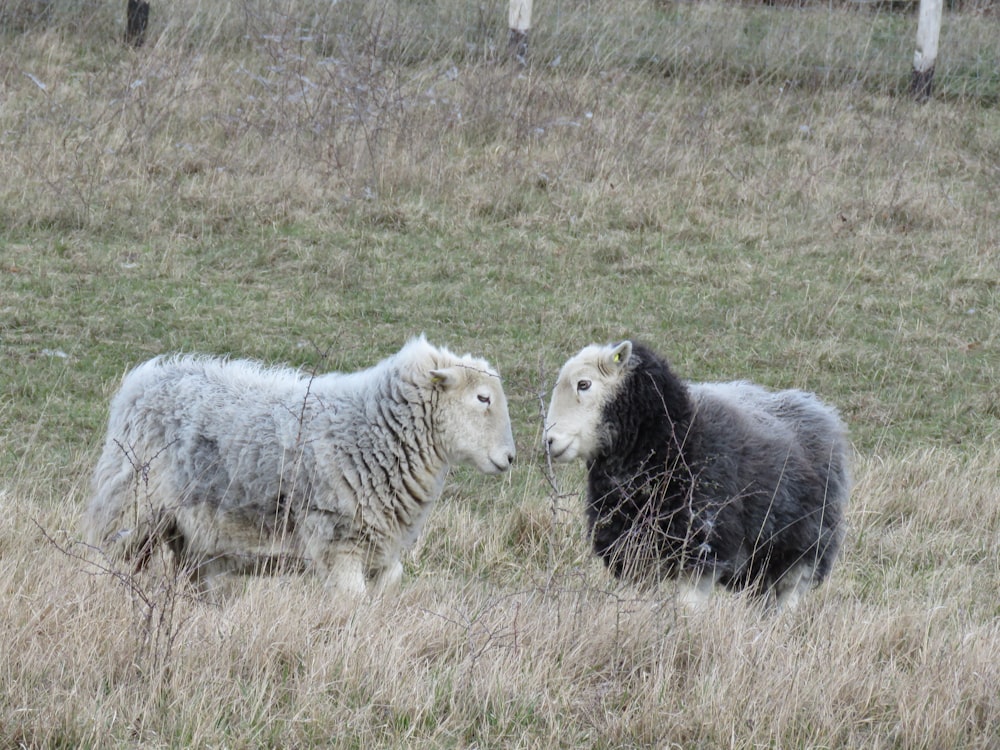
[[618, 358], [437, 379]]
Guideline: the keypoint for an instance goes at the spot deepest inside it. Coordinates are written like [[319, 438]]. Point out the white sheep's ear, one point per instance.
[[618, 356], [446, 377]]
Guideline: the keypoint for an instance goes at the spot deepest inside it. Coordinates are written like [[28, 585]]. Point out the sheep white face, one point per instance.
[[585, 384], [472, 417]]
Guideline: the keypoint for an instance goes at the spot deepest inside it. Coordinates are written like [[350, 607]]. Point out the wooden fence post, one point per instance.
[[928, 32], [136, 20], [519, 22]]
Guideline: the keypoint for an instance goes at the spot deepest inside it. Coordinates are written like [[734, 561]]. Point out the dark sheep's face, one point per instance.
[[586, 383]]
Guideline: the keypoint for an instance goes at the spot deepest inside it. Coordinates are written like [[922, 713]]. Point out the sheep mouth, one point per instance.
[[556, 454], [500, 468]]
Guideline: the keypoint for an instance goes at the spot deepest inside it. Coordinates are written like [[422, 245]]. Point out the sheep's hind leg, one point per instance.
[[212, 577], [788, 589]]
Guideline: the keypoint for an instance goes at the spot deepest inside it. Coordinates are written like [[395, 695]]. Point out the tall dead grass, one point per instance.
[[901, 648]]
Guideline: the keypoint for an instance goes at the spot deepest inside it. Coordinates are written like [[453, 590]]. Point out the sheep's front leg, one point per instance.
[[335, 554], [695, 588], [389, 577], [344, 571]]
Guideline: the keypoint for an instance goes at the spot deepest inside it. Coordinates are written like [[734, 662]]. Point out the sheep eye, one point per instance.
[[483, 399], [583, 385]]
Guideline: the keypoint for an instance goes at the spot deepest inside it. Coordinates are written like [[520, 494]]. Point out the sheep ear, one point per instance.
[[445, 377], [618, 357]]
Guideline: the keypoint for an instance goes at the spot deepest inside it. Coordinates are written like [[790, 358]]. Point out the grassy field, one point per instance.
[[747, 189]]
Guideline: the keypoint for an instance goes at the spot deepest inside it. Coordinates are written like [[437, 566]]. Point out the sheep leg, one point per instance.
[[343, 571], [339, 559], [210, 577], [695, 588], [789, 588], [389, 577]]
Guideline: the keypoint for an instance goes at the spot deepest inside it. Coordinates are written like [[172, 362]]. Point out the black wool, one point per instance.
[[726, 479], [639, 487]]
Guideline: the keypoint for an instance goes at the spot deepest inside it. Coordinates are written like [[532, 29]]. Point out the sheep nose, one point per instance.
[[510, 459]]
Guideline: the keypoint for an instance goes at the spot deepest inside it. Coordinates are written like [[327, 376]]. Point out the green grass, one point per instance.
[[747, 189]]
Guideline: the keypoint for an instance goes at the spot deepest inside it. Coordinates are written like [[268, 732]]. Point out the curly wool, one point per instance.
[[234, 464]]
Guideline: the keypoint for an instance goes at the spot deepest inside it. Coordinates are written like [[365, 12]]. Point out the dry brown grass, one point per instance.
[[900, 649], [256, 114]]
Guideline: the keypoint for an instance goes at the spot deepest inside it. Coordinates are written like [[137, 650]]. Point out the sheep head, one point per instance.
[[471, 416], [586, 383]]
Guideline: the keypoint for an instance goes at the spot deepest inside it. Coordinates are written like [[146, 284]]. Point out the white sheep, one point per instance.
[[712, 483], [236, 466]]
